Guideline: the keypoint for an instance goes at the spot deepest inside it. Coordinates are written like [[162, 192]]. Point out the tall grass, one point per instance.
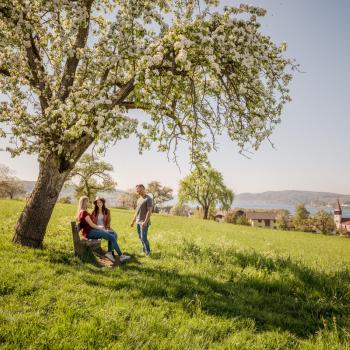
[[206, 286]]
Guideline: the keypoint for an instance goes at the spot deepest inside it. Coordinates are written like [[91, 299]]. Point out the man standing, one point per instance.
[[142, 217]]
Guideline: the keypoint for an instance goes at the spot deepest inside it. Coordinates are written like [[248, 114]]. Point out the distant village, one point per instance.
[[323, 221], [269, 219], [272, 218]]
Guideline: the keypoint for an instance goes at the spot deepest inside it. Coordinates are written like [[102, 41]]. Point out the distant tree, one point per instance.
[[301, 220], [10, 185], [133, 197], [180, 210], [159, 193], [65, 200], [232, 216], [323, 222], [199, 213], [93, 177], [165, 209], [4, 171], [125, 200], [282, 219], [242, 220], [27, 196], [205, 186], [343, 231]]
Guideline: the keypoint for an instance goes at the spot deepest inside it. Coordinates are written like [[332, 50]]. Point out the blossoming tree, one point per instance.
[[72, 71]]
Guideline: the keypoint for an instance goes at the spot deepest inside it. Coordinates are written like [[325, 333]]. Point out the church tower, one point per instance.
[[337, 214]]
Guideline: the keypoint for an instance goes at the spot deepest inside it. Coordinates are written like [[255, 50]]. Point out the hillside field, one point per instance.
[[206, 286]]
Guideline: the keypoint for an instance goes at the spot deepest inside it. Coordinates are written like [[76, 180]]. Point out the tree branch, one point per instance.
[[123, 92], [73, 61], [35, 65], [133, 105], [4, 71]]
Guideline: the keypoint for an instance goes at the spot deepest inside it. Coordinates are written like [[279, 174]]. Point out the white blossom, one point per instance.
[[199, 66]]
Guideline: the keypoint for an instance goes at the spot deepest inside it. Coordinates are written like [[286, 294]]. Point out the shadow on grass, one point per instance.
[[296, 298], [58, 256]]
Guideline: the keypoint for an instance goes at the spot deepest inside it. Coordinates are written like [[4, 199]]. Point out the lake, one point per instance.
[[289, 207]]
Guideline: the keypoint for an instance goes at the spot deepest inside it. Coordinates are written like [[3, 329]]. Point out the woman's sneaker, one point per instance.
[[110, 256], [124, 257]]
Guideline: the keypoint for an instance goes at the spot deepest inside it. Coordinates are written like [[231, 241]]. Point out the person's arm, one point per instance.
[[133, 220], [149, 211], [92, 225], [148, 215], [93, 217], [108, 219]]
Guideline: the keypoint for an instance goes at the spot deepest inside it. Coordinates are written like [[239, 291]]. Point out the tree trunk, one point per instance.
[[88, 192], [31, 226], [205, 213]]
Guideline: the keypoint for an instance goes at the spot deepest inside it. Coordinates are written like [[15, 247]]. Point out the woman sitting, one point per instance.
[[91, 230], [101, 216]]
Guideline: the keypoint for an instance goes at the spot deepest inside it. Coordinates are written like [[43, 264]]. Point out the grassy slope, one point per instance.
[[207, 285]]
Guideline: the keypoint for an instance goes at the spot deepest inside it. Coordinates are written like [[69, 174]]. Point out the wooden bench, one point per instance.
[[81, 246]]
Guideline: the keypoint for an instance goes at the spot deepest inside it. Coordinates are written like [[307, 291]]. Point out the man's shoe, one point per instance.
[[124, 257], [110, 256]]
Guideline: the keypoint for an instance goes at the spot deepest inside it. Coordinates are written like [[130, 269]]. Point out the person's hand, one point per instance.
[[144, 224], [132, 224]]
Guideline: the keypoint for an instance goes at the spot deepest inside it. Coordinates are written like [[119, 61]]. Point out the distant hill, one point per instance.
[[277, 199], [310, 198], [68, 191]]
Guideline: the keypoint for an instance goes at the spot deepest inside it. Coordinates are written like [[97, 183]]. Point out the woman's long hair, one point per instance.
[[82, 205], [104, 208]]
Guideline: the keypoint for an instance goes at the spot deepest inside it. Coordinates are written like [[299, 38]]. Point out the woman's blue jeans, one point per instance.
[[110, 236]]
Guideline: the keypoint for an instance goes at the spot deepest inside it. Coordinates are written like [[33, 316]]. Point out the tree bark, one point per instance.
[[53, 172], [31, 226], [205, 213]]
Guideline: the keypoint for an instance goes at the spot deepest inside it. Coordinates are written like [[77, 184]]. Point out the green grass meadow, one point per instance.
[[206, 286]]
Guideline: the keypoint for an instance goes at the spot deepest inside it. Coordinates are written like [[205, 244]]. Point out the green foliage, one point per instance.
[[242, 220], [282, 219], [207, 286], [230, 217], [323, 222], [128, 199], [125, 200], [205, 186], [198, 213], [343, 231], [301, 220], [93, 177], [160, 194], [180, 210], [65, 200]]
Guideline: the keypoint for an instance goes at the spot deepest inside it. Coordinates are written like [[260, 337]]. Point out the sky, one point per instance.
[[312, 142]]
